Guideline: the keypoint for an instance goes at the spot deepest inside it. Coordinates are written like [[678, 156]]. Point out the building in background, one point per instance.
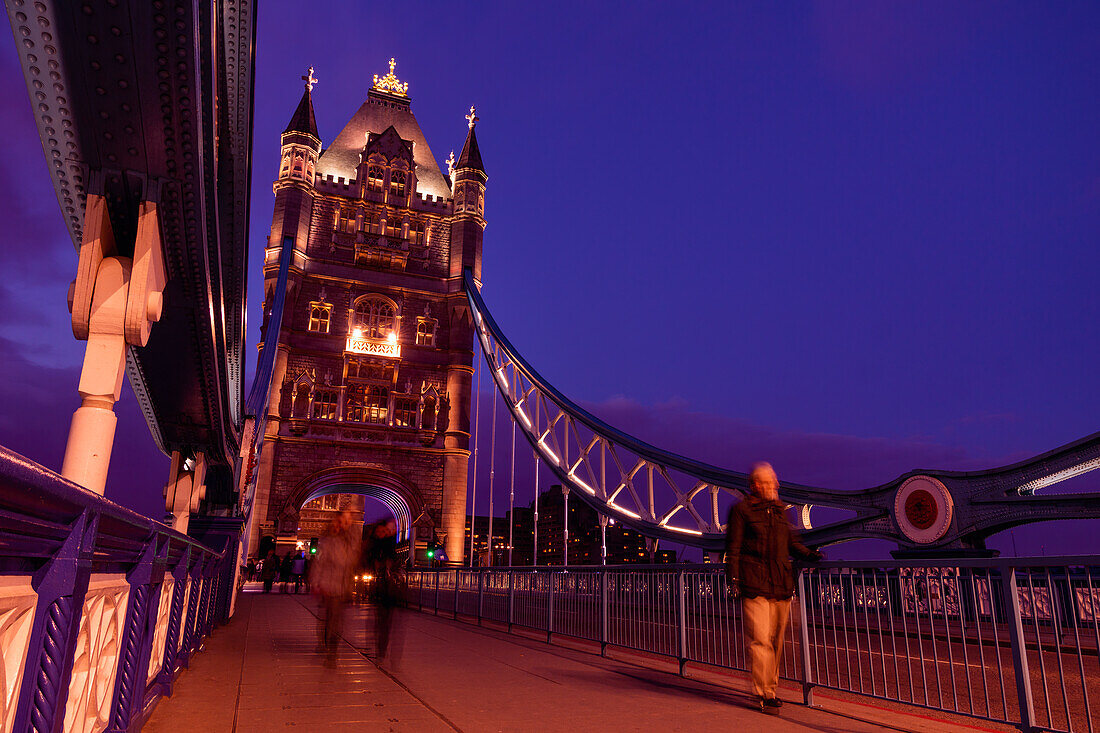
[[624, 545]]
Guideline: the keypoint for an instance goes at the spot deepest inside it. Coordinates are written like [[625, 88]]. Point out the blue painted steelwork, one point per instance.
[[959, 635], [968, 506], [61, 538]]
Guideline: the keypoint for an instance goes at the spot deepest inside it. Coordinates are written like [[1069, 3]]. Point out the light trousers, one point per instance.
[[765, 624]]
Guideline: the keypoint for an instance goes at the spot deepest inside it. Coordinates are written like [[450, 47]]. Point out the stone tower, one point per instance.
[[371, 388]]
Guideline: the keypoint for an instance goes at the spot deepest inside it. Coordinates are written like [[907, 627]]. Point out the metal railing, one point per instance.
[[100, 607], [1010, 640]]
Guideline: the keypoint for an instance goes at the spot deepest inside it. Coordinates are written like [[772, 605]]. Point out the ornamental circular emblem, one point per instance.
[[923, 509]]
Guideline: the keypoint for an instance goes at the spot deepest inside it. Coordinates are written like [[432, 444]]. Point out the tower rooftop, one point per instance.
[[387, 104]]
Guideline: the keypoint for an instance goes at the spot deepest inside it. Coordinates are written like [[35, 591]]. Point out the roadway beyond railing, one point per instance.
[[1011, 640], [100, 607]]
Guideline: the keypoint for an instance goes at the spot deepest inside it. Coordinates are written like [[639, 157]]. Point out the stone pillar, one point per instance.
[[456, 460]]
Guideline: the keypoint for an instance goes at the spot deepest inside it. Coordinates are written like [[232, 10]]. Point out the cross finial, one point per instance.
[[393, 64], [309, 80], [472, 118], [451, 165]]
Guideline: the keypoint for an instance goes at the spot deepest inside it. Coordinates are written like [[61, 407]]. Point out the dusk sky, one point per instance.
[[851, 238]]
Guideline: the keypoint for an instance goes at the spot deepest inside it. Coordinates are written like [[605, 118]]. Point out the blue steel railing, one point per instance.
[[100, 607], [1011, 640]]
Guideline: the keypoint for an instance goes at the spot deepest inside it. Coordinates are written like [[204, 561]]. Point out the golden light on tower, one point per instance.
[[390, 84]]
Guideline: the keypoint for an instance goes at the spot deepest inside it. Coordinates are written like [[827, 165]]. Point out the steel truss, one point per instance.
[[667, 496]]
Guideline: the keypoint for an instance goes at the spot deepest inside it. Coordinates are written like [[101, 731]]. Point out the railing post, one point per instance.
[[604, 618], [549, 605], [457, 573], [420, 591], [804, 630], [681, 620], [51, 649], [480, 594], [435, 604], [175, 616], [137, 638], [511, 598], [1011, 600], [188, 628]]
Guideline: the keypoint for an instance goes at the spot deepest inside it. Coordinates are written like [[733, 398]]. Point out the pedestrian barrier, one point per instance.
[[100, 607], [1010, 640]]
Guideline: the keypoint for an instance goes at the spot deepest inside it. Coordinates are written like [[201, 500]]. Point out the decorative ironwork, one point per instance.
[[390, 84]]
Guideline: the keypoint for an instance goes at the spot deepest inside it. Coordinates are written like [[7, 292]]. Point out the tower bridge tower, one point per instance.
[[371, 387]]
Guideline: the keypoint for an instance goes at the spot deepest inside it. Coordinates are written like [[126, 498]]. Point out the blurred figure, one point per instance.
[[380, 560], [298, 570], [250, 570], [269, 570], [759, 545], [331, 579], [285, 570]]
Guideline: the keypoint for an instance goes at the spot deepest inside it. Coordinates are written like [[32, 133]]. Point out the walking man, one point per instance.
[[759, 545]]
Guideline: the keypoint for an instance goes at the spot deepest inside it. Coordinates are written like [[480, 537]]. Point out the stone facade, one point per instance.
[[371, 391]]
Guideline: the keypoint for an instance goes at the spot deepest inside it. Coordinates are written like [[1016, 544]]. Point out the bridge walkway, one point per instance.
[[261, 672]]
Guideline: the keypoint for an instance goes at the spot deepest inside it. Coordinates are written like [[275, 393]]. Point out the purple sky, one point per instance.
[[850, 238]]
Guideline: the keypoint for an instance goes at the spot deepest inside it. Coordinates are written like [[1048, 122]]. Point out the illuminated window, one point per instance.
[[374, 179], [330, 501], [425, 332], [376, 404], [397, 183], [417, 231], [320, 315], [393, 227], [404, 412], [324, 405], [372, 223], [379, 371], [298, 163], [375, 318], [345, 221]]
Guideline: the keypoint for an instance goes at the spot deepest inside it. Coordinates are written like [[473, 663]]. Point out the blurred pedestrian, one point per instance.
[[250, 569], [298, 570], [380, 561], [269, 569], [285, 569], [759, 545], [331, 579]]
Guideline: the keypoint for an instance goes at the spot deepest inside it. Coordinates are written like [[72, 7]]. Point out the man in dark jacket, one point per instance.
[[759, 545]]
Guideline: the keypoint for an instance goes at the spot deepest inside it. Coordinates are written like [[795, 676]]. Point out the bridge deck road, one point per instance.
[[261, 672]]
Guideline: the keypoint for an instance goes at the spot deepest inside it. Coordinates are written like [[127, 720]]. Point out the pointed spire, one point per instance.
[[471, 155], [303, 119]]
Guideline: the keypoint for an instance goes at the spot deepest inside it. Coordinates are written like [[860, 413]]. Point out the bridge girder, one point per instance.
[[152, 102]]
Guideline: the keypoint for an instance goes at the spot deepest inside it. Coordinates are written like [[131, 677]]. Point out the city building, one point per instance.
[[624, 545], [374, 364]]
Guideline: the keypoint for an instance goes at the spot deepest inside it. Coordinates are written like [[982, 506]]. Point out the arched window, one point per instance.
[[393, 227], [298, 163], [372, 222], [416, 231], [374, 179], [320, 315], [375, 317], [397, 183], [425, 332], [324, 405], [285, 168], [404, 412]]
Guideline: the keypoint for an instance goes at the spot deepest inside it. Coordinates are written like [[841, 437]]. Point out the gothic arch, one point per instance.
[[393, 490]]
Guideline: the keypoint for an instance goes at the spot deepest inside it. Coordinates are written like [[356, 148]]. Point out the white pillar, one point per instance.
[[114, 301]]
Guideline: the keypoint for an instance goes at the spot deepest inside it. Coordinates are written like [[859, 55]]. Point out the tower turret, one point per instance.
[[468, 224], [300, 144]]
